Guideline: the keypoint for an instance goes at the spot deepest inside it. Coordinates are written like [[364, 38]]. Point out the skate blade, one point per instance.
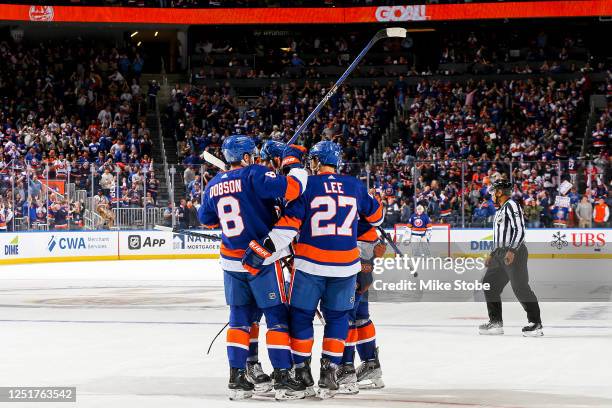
[[262, 388], [350, 388], [371, 384], [535, 333], [309, 392], [284, 395], [325, 393], [237, 395], [493, 332]]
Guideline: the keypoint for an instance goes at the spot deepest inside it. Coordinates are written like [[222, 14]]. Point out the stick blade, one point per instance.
[[397, 32], [214, 160]]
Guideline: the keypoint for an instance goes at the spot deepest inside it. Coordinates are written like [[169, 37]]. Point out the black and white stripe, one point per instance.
[[509, 226]]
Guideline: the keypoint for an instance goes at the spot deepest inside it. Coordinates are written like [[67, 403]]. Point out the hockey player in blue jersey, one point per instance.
[[362, 333], [420, 226], [326, 259], [271, 154], [242, 202]]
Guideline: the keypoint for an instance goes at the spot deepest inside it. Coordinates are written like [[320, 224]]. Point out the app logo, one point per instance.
[[134, 242]]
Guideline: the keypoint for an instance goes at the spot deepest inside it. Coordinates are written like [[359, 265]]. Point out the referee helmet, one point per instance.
[[502, 185]]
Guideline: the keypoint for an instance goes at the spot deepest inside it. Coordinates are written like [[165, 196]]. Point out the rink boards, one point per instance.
[[27, 247]]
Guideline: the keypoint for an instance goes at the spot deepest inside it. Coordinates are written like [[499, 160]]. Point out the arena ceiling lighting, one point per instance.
[[314, 15]]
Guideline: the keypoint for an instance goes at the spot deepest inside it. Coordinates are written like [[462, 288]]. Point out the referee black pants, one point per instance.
[[498, 275]]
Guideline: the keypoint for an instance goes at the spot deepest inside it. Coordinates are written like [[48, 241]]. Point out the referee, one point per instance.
[[508, 263]]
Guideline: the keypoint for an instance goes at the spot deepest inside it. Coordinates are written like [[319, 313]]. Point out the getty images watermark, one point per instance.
[[424, 266]]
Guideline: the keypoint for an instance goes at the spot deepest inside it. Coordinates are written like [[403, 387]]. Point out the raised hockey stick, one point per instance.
[[214, 160], [187, 232], [393, 32]]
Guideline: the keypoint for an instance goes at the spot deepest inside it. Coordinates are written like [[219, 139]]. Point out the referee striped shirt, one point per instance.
[[509, 226]]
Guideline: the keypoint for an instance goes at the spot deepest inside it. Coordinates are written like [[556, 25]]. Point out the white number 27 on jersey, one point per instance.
[[330, 212]]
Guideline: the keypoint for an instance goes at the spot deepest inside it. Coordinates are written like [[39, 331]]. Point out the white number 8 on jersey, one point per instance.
[[232, 216]]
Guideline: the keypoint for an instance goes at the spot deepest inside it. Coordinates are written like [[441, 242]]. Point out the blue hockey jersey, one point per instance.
[[242, 202]]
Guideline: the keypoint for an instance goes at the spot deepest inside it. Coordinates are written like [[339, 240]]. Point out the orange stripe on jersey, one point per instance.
[[276, 338], [211, 226], [254, 331], [291, 222], [293, 189], [366, 332], [326, 255], [369, 236], [302, 346], [376, 216], [353, 336], [232, 253], [238, 336], [333, 345]]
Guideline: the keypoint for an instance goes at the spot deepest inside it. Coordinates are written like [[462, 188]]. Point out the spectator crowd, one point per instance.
[[71, 112]]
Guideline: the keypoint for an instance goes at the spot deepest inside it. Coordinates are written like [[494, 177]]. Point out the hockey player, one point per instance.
[[361, 329], [420, 231], [242, 201], [271, 156], [326, 259]]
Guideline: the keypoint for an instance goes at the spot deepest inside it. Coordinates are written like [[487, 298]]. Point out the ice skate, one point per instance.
[[533, 330], [256, 376], [304, 375], [286, 387], [491, 329], [369, 374], [239, 387], [347, 379], [328, 384]]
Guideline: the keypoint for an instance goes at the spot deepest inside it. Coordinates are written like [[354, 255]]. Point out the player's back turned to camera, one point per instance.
[[326, 259], [242, 202]]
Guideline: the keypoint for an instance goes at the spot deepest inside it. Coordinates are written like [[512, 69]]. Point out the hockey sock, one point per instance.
[[334, 334], [366, 339], [349, 344], [238, 336], [277, 336], [302, 333], [254, 345]]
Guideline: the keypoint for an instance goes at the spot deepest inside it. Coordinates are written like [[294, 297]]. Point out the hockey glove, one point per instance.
[[364, 281], [292, 157], [379, 249], [367, 266], [255, 255]]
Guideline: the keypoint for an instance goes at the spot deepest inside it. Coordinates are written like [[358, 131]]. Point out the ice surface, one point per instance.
[[135, 333]]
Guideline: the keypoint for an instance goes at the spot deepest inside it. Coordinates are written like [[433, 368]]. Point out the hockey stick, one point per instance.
[[187, 232], [215, 338], [214, 160], [386, 237], [393, 32]]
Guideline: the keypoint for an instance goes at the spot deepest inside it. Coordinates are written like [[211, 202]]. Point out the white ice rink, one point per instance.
[[135, 334]]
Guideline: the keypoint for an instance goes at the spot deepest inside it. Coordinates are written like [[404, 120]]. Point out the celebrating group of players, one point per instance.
[[289, 247]]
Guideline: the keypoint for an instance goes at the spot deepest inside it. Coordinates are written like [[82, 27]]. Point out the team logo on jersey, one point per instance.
[[559, 241], [418, 222]]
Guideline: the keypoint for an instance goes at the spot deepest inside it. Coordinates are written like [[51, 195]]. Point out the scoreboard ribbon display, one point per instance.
[[398, 13]]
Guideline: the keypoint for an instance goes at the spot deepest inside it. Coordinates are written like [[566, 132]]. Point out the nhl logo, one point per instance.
[[41, 13]]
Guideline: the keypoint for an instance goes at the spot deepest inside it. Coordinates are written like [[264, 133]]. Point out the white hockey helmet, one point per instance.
[[419, 209]]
